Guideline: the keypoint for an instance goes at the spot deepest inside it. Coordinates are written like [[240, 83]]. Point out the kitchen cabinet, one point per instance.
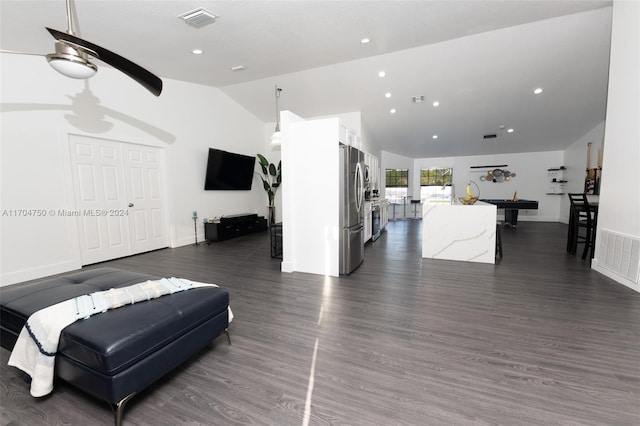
[[367, 221], [374, 170], [349, 136], [384, 214], [343, 131]]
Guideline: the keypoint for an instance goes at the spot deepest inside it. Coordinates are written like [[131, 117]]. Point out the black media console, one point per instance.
[[234, 226]]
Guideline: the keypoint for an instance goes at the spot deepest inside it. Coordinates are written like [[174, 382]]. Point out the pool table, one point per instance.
[[511, 208]]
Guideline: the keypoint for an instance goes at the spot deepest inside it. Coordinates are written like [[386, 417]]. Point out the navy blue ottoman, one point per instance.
[[118, 353]]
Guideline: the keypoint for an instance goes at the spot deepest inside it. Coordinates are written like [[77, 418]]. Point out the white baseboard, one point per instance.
[[286, 266], [618, 278], [186, 241]]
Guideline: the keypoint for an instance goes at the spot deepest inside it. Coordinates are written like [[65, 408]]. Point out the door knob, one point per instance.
[[130, 204]]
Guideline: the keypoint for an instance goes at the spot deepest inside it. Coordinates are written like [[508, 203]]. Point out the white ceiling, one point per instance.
[[481, 59]]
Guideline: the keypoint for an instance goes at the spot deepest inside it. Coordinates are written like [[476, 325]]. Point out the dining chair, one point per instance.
[[582, 222]]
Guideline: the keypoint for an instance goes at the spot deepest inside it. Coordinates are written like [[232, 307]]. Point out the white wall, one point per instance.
[[290, 187], [575, 158], [38, 113], [369, 144], [619, 210]]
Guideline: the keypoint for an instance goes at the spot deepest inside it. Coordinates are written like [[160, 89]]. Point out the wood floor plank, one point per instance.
[[537, 339]]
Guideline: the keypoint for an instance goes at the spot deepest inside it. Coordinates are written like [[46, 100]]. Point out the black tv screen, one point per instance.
[[229, 171]]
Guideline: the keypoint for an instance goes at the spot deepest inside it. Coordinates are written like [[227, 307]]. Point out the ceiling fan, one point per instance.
[[71, 58]]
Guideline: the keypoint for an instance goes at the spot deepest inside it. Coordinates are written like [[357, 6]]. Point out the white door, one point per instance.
[[145, 204], [108, 178], [99, 189]]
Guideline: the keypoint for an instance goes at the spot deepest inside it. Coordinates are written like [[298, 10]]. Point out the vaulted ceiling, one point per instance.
[[481, 60]]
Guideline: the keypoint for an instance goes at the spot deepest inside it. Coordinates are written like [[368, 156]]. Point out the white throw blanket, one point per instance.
[[37, 344]]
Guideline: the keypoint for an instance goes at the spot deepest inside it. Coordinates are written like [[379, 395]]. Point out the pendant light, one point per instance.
[[275, 138]]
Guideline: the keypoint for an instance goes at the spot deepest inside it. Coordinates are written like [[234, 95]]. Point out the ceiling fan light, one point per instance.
[[72, 66]]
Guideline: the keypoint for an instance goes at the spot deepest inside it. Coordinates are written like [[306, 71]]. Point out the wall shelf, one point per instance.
[[556, 180]]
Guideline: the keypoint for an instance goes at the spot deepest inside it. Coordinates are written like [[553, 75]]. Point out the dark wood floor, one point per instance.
[[537, 339]]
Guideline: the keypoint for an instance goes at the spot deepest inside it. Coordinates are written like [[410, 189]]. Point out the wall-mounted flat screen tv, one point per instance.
[[229, 171]]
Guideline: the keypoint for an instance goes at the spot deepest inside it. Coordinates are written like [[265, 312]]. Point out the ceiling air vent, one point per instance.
[[198, 18], [417, 99], [493, 136]]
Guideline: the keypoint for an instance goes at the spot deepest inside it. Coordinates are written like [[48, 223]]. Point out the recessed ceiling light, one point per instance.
[[387, 95], [238, 68], [436, 103], [365, 40], [392, 111], [434, 137], [382, 74], [510, 130], [538, 91], [197, 52]]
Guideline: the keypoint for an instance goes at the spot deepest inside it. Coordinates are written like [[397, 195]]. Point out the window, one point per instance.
[[435, 183], [396, 185]]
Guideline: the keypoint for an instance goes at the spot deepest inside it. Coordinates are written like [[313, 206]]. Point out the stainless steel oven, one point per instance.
[[375, 221]]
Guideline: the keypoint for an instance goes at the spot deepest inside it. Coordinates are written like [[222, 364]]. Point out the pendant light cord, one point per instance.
[[278, 90]]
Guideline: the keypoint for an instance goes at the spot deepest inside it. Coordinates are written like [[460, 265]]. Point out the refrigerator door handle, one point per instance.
[[358, 187]]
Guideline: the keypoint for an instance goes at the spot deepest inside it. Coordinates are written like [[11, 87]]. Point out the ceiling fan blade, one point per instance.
[[150, 81]]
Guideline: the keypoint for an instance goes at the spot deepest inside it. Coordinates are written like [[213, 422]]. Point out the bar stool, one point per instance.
[[581, 219], [499, 239]]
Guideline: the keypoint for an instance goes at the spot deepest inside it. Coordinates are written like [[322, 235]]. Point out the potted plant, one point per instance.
[[271, 179]]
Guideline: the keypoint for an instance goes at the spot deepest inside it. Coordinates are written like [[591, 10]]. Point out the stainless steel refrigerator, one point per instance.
[[351, 209]]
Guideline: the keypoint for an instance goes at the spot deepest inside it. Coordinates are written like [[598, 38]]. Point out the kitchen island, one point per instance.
[[454, 231]]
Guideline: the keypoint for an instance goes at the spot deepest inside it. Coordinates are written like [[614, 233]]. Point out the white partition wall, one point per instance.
[[618, 237], [310, 195]]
